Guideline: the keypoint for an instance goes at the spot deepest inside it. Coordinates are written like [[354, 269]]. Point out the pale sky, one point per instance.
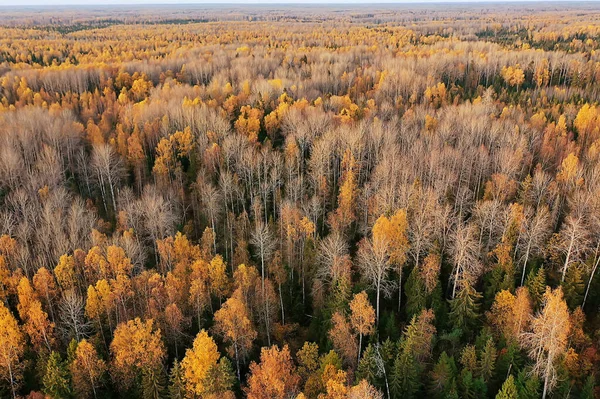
[[276, 2]]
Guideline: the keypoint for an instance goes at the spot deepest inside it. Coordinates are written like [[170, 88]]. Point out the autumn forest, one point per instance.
[[300, 202]]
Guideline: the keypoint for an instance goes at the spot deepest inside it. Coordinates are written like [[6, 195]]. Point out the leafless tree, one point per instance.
[[465, 255], [535, 232], [72, 322]]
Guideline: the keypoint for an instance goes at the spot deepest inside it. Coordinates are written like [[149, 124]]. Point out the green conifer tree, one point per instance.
[[56, 380]]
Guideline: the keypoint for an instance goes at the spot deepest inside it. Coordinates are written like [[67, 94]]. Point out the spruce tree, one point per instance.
[[488, 360], [415, 294], [153, 383], [367, 367], [405, 376], [56, 380], [464, 308], [176, 384], [528, 385], [509, 389], [574, 286], [536, 284], [443, 377]]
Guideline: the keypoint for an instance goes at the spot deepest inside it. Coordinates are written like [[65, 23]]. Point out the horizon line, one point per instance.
[[100, 3]]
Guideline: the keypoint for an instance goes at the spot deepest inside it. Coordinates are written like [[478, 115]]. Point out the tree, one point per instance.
[[443, 377], [375, 267], [37, 326], [391, 233], [56, 379], [12, 347], [274, 377], [176, 382], [465, 255], [345, 213], [419, 335], [87, 370], [416, 293], [233, 324], [367, 366], [263, 240], [510, 314], [513, 75], [488, 360], [364, 390], [199, 366], [343, 338], [509, 389], [405, 376], [548, 336], [109, 170], [362, 317], [136, 346], [71, 316], [533, 237], [153, 383], [464, 307]]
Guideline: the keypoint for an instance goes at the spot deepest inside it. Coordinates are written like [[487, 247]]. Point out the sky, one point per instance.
[[113, 2]]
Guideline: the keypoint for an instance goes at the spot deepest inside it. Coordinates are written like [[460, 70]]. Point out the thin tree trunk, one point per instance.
[[237, 361], [282, 309], [12, 383], [400, 289], [359, 346], [525, 263], [587, 289], [564, 272]]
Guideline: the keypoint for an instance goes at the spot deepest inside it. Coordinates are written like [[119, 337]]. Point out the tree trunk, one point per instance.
[[378, 287], [12, 383], [400, 289], [281, 303], [359, 347], [525, 263], [564, 272], [237, 361], [455, 281], [547, 376], [587, 289]]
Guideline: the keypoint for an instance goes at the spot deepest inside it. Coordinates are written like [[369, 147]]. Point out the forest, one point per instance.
[[300, 202]]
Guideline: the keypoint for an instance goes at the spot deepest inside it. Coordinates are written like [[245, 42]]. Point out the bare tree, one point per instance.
[[264, 242], [572, 241], [109, 171], [72, 322], [465, 254], [536, 231], [375, 266]]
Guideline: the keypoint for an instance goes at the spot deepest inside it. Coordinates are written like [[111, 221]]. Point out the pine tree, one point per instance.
[[220, 379], [176, 383], [388, 352], [509, 389], [574, 286], [488, 360], [443, 377], [528, 385], [440, 307], [153, 383], [367, 367], [56, 380], [464, 308], [536, 284], [466, 384], [587, 391], [405, 376], [415, 294]]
